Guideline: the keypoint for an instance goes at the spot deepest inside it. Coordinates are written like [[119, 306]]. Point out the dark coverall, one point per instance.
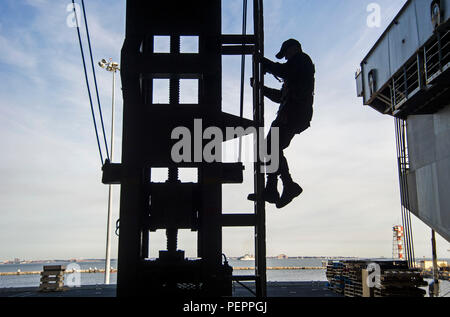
[[296, 100]]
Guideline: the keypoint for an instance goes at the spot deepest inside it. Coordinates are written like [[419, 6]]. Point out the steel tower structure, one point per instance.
[[147, 144]]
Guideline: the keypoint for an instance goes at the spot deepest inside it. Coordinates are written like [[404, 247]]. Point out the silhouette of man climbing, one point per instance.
[[296, 99]]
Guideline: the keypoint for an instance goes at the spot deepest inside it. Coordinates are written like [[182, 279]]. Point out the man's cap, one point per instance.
[[287, 44]]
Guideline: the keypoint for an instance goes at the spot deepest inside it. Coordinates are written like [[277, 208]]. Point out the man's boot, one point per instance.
[[270, 193], [291, 190]]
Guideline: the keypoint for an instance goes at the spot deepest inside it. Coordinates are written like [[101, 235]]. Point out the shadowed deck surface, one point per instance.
[[274, 289]]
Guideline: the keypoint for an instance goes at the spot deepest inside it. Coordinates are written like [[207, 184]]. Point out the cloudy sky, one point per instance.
[[52, 202]]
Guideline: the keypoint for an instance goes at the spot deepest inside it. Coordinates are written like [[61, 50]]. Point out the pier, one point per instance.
[[94, 270]]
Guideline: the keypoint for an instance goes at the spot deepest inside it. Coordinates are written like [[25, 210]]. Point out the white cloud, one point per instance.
[[37, 3], [13, 54]]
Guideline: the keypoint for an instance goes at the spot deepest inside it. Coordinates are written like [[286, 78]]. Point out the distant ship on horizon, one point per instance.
[[247, 257]]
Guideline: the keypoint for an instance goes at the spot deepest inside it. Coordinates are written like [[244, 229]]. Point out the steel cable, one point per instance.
[[244, 32], [402, 167], [95, 78], [87, 82]]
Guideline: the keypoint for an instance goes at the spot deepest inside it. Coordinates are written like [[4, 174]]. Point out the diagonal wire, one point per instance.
[[87, 82], [95, 78]]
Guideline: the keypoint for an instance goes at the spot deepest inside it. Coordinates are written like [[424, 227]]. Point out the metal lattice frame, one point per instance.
[[146, 206]]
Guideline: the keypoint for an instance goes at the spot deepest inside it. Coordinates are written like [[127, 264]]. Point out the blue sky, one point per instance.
[[53, 204]]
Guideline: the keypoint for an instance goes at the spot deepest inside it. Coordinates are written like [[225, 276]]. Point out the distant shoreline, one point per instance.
[[270, 268], [102, 260], [21, 262]]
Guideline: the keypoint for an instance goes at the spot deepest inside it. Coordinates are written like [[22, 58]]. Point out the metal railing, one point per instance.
[[436, 56]]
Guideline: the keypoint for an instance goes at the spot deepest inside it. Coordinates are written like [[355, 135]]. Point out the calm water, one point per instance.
[[98, 278], [34, 280]]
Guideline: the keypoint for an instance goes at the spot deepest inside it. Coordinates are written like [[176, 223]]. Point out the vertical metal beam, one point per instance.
[[130, 197], [405, 79], [210, 232], [435, 264], [440, 50], [174, 94], [145, 247], [258, 113]]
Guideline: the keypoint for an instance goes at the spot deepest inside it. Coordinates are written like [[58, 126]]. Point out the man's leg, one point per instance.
[[290, 189], [270, 194], [272, 178], [285, 176]]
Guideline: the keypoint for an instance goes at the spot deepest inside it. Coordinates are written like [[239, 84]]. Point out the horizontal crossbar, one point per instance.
[[238, 220]]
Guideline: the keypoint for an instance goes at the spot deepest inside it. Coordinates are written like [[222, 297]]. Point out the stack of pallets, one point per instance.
[[352, 278], [343, 278], [395, 283], [346, 278], [52, 278], [334, 275]]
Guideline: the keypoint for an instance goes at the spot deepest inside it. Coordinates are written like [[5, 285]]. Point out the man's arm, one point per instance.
[[272, 94], [277, 69]]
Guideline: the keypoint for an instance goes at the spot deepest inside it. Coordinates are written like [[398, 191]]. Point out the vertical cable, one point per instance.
[[244, 32], [407, 206], [403, 189], [400, 173], [400, 130]]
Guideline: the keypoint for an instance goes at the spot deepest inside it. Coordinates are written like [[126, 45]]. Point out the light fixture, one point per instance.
[[436, 13], [109, 66]]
